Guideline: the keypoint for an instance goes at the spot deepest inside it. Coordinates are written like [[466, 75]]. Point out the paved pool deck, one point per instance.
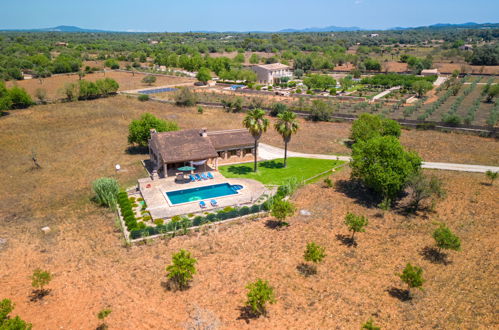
[[154, 194]]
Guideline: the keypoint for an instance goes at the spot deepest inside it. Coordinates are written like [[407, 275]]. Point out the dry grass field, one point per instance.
[[127, 81], [78, 142]]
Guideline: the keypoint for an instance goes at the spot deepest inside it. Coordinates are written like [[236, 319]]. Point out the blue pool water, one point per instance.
[[200, 193], [157, 90]]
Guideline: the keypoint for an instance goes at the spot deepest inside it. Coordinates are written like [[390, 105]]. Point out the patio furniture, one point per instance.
[[204, 177], [192, 178], [210, 176], [197, 177], [214, 202], [202, 204]]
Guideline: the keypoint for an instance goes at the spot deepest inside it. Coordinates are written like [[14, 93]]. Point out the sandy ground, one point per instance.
[[78, 142]]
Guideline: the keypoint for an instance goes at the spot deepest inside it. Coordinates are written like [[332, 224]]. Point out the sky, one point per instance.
[[240, 15]]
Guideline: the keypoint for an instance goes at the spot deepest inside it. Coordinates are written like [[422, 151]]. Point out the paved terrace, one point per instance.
[[153, 192]]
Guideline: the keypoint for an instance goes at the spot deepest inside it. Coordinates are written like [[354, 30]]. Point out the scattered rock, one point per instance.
[[305, 212], [3, 241], [46, 229]]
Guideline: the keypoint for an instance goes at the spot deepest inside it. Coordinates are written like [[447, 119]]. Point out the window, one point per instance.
[[232, 153]]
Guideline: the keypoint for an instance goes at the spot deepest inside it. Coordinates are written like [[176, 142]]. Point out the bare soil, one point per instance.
[[78, 142]]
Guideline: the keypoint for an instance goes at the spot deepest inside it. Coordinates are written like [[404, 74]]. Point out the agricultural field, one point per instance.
[[92, 268], [127, 81]]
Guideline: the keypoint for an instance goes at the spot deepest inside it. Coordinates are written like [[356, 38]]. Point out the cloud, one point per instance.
[[358, 2]]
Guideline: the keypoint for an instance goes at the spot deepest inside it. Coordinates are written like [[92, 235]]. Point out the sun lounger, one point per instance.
[[210, 176], [197, 177], [192, 178], [214, 202], [202, 204], [204, 177]]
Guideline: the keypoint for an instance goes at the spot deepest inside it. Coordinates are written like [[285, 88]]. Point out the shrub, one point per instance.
[[423, 187], [19, 98], [356, 223], [492, 176], [149, 80], [8, 322], [278, 108], [244, 211], [200, 110], [185, 97], [255, 208], [148, 218], [328, 182], [131, 199], [211, 217], [445, 239], [412, 276], [369, 325], [182, 269], [314, 253], [321, 111], [102, 316], [106, 191], [40, 279], [198, 221], [41, 95], [141, 225], [452, 119], [259, 294], [282, 209], [143, 97], [368, 126]]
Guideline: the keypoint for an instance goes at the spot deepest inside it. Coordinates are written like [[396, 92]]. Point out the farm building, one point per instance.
[[271, 73], [171, 150], [430, 72]]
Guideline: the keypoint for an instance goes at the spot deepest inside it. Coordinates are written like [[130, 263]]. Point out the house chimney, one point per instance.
[[203, 132]]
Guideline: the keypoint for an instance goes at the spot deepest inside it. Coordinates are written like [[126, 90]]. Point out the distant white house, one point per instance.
[[430, 72], [374, 35], [272, 73]]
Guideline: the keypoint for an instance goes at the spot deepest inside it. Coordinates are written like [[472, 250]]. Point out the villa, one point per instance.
[[184, 177], [199, 148], [271, 73]]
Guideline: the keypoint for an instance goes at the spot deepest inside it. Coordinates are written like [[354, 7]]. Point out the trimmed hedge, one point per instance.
[[127, 212], [185, 223]]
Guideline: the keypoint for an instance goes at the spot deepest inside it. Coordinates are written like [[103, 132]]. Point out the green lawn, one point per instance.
[[272, 172]]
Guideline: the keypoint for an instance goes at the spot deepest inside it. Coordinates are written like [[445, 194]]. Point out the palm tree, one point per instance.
[[286, 125], [256, 123]]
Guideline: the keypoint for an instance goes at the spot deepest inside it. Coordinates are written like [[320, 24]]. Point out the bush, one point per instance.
[[259, 294], [452, 119], [445, 239], [278, 108], [182, 269], [314, 253], [40, 279], [383, 165], [143, 97], [106, 191], [139, 131], [367, 126], [356, 223], [149, 80], [244, 211], [412, 276], [185, 97], [321, 111], [200, 110], [19, 98], [282, 209], [8, 322], [198, 221]]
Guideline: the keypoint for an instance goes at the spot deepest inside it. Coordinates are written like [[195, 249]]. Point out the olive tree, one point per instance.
[[356, 223], [413, 277], [260, 293], [149, 80], [281, 209], [445, 239], [182, 269]]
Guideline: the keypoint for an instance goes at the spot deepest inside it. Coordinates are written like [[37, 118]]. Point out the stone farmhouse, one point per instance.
[[201, 149]]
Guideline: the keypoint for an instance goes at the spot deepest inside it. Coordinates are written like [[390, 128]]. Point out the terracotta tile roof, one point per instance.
[[234, 138], [182, 146], [187, 145]]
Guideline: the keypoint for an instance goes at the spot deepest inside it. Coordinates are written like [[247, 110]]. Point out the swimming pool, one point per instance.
[[200, 193]]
